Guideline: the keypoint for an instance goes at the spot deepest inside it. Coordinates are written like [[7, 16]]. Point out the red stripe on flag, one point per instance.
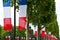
[[49, 35], [22, 23], [36, 33], [43, 33], [7, 24]]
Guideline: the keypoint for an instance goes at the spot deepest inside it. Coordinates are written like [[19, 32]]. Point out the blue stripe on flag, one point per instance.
[[23, 2], [6, 4]]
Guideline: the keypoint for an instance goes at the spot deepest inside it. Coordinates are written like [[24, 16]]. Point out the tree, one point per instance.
[[55, 28], [41, 12], [0, 31]]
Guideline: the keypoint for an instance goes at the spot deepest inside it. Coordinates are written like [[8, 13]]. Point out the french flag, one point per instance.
[[7, 15], [49, 35], [22, 14], [43, 32], [36, 33], [36, 30]]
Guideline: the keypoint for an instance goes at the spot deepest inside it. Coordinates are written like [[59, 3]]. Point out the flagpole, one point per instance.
[[14, 19]]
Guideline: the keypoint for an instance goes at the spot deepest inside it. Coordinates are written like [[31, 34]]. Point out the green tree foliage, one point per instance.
[[4, 33], [41, 12], [53, 28], [0, 31]]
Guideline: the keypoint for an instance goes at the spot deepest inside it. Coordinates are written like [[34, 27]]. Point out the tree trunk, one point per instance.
[[38, 34], [39, 28], [27, 29]]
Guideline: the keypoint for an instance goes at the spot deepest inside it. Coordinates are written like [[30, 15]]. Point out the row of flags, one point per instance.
[[22, 15], [44, 34], [21, 38]]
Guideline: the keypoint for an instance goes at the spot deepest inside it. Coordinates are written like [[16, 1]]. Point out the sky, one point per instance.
[[17, 14], [58, 13]]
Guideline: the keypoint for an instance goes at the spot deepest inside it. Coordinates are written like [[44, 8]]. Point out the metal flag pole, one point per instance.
[[14, 19]]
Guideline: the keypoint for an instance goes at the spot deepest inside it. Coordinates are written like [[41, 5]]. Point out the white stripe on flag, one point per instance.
[[23, 10], [43, 29], [22, 17], [7, 12]]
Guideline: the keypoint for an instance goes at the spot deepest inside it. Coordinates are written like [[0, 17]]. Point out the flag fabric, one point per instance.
[[7, 15], [16, 38], [52, 37], [36, 30], [43, 32], [36, 33], [7, 37], [49, 35], [22, 14]]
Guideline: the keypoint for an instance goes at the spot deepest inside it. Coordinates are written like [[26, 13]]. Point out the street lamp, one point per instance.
[[14, 19]]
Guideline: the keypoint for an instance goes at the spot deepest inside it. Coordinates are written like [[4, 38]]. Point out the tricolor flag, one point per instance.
[[36, 33], [7, 37], [22, 14], [36, 30], [53, 37], [7, 15], [49, 35], [43, 32]]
